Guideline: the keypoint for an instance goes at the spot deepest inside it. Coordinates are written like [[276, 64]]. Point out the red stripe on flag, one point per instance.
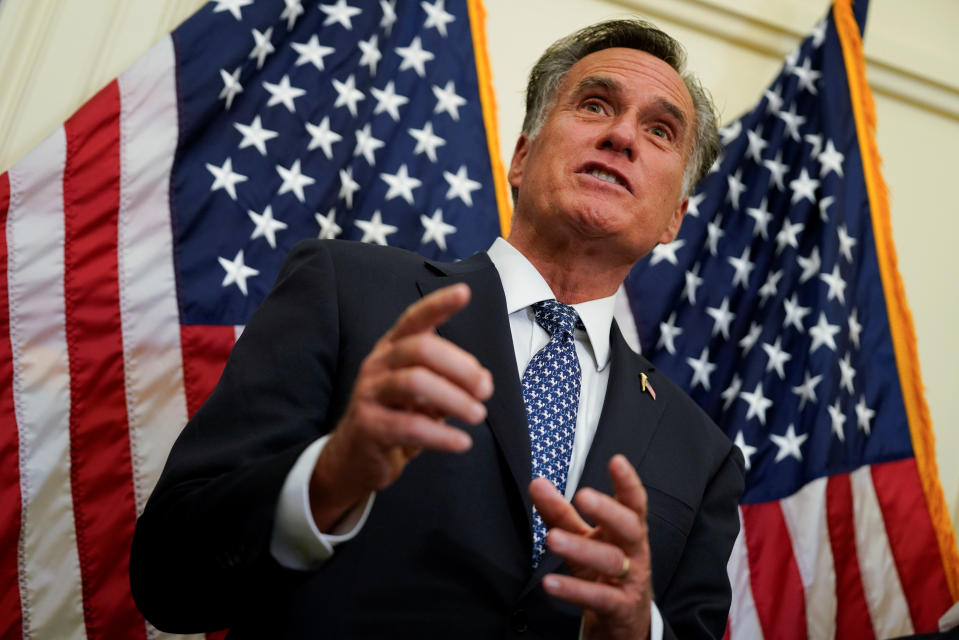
[[101, 470], [773, 572], [913, 542], [205, 350], [11, 620], [852, 613]]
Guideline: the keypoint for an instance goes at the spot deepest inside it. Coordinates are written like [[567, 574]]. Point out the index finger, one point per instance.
[[431, 311], [554, 509], [627, 485]]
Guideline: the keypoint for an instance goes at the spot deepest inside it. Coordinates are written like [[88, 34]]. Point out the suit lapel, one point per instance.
[[483, 330], [627, 423]]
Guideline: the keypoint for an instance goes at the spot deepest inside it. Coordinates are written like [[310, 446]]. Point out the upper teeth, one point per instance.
[[602, 175]]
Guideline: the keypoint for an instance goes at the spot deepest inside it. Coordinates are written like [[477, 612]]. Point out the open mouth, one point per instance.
[[605, 174]]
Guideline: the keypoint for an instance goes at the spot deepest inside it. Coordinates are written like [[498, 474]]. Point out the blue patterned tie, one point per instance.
[[551, 385]]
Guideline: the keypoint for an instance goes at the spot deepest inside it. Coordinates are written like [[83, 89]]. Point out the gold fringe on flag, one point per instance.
[[477, 15]]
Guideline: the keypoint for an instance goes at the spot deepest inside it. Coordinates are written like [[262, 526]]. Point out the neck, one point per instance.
[[575, 271]]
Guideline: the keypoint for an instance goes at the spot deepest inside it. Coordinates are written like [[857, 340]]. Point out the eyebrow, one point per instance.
[[608, 84]]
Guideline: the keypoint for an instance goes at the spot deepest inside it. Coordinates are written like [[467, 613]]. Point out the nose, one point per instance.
[[620, 137]]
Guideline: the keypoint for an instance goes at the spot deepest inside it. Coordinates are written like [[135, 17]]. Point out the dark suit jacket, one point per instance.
[[446, 550]]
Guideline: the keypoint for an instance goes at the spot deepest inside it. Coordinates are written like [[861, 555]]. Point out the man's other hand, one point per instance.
[[609, 563], [406, 387]]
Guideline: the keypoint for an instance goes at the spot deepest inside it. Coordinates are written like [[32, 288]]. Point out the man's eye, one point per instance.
[[593, 107], [660, 132]]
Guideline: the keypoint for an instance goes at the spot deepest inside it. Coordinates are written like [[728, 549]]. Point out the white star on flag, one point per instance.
[[830, 160], [347, 94], [348, 186], [387, 100], [666, 252], [371, 53], [340, 13], [823, 333], [804, 187], [283, 93], [293, 180], [233, 6], [375, 230], [321, 136], [722, 317], [668, 332], [747, 450], [292, 11], [793, 122], [837, 420], [751, 337], [426, 141], [863, 415], [415, 57], [810, 266], [846, 374], [435, 229], [795, 312], [732, 391], [328, 227], [266, 225], [461, 186], [702, 369], [762, 217], [789, 444], [262, 46], [388, 7], [837, 286], [236, 271], [846, 242], [225, 178], [436, 16], [254, 135], [743, 267], [401, 184], [311, 52], [366, 144], [231, 85], [758, 403], [777, 357], [447, 101], [807, 390]]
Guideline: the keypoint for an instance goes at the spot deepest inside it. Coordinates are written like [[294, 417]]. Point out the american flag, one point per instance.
[[142, 233], [780, 310]]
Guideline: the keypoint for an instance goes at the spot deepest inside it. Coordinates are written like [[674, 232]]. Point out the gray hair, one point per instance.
[[548, 73]]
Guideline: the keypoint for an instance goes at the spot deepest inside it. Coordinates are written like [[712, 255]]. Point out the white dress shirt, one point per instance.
[[297, 543]]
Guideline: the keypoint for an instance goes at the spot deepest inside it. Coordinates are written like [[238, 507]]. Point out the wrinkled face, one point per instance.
[[608, 161]]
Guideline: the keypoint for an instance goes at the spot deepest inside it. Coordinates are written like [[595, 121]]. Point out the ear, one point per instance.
[[672, 229], [518, 164]]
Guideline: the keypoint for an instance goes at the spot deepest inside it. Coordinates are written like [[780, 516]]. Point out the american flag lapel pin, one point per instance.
[[645, 386]]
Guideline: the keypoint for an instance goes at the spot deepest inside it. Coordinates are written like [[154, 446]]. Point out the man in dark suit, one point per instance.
[[354, 474]]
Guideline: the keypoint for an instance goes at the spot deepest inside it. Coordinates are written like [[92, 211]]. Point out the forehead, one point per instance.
[[637, 73]]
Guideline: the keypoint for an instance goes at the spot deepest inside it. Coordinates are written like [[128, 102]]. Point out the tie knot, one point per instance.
[[557, 318]]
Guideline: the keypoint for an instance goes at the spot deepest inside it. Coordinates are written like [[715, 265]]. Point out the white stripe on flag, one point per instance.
[[51, 592], [156, 401], [238, 331], [743, 619], [805, 515], [880, 579]]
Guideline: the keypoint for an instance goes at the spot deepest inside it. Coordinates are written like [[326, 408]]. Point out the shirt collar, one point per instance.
[[523, 285]]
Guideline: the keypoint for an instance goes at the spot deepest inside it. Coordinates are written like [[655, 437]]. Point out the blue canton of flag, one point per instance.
[[768, 307], [356, 121]]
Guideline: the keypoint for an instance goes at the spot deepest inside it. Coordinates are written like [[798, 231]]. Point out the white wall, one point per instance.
[[55, 53]]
